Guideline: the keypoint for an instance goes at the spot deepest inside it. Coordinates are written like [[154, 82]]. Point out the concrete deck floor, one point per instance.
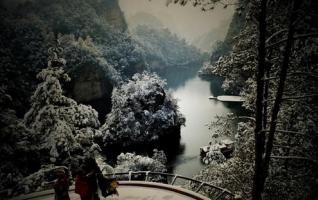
[[131, 190]]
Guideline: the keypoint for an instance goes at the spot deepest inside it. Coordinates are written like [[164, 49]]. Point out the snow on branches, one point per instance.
[[132, 162], [142, 111], [57, 120]]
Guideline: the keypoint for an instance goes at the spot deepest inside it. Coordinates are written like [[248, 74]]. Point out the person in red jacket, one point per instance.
[[89, 181], [81, 186], [86, 180]]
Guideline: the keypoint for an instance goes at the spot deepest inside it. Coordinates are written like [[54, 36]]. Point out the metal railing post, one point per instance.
[[199, 188], [147, 174], [220, 195], [174, 179], [129, 175]]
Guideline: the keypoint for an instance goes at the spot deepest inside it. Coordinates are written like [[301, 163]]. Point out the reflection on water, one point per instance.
[[192, 93], [177, 77]]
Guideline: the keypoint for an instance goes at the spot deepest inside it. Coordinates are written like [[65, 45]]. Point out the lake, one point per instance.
[[192, 93]]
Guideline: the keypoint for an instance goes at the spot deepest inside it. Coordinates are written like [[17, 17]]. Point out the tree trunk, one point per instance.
[[266, 93], [280, 90], [258, 134]]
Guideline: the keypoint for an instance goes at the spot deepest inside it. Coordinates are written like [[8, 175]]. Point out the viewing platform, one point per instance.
[[141, 185]]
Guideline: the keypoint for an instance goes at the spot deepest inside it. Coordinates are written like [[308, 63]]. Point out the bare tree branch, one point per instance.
[[247, 117], [297, 97], [314, 75], [275, 34], [296, 37], [296, 158], [228, 4], [291, 148], [300, 97], [286, 131]]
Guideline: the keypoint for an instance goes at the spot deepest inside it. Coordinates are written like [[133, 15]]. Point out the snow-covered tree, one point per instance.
[[123, 53], [84, 51], [132, 162], [142, 112], [29, 28], [17, 148], [213, 157], [274, 65], [62, 126]]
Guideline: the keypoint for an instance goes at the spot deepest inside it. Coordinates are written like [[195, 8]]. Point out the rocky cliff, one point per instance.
[[114, 15], [29, 28], [224, 47]]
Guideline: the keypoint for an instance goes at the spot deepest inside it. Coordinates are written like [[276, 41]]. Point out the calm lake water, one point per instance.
[[192, 93]]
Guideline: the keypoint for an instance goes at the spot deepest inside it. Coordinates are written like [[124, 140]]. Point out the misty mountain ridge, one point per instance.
[[164, 48], [206, 41]]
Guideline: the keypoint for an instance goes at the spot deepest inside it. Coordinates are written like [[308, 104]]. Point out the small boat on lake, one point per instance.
[[226, 147], [228, 98]]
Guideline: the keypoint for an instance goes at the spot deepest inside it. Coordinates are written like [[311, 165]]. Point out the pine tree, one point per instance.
[[63, 127]]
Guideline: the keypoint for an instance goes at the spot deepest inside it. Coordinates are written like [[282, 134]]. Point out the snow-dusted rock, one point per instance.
[[142, 112]]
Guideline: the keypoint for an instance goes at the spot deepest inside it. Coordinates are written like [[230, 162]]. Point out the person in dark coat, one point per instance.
[[86, 180], [61, 185], [89, 180]]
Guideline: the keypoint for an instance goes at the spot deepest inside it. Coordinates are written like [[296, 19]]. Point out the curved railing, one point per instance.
[[206, 189]]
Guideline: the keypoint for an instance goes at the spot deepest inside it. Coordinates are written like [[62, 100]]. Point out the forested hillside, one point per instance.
[[165, 49], [224, 47], [78, 89], [270, 60], [60, 62], [93, 34]]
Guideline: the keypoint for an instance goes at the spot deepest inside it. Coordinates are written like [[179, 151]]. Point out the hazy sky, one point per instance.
[[189, 22]]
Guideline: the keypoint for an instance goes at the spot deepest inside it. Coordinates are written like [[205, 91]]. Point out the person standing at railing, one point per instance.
[[90, 183], [61, 185], [81, 185], [86, 180], [93, 172]]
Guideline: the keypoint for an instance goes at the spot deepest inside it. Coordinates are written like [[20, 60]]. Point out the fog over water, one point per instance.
[[187, 21]]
